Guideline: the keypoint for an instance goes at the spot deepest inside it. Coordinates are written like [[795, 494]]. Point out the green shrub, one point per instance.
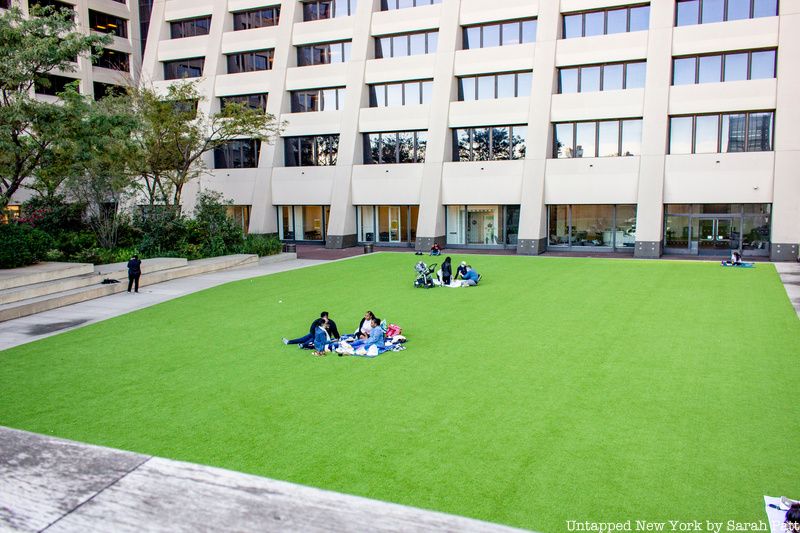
[[261, 245], [211, 228], [163, 231], [21, 245]]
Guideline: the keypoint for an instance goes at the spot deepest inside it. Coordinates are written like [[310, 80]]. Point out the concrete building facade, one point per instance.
[[607, 125]]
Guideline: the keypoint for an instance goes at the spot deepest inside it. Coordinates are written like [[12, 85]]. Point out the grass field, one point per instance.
[[585, 389]]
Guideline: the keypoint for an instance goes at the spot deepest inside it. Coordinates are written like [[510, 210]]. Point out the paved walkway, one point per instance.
[[56, 485], [790, 276], [34, 327]]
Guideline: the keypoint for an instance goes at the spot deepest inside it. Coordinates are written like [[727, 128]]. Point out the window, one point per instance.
[[252, 101], [500, 34], [106, 23], [734, 66], [184, 68], [606, 21], [328, 9], [250, 61], [690, 12], [308, 100], [599, 226], [408, 44], [242, 153], [721, 133], [482, 225], [52, 84], [610, 77], [311, 151], [101, 90], [190, 27], [604, 138], [323, 53], [55, 4], [511, 85], [393, 224], [113, 60], [491, 143], [302, 222], [395, 147], [256, 18], [387, 5], [400, 93], [240, 215]]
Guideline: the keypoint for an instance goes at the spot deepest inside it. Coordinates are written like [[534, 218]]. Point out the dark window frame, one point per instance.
[[225, 153], [386, 5], [252, 19], [374, 87], [749, 52], [499, 25], [301, 62], [471, 130], [351, 8], [574, 146], [719, 130], [188, 66], [245, 100], [515, 73], [602, 77], [380, 52], [241, 62], [724, 12], [369, 160], [181, 29], [331, 155], [605, 11], [296, 94], [98, 19], [104, 60]]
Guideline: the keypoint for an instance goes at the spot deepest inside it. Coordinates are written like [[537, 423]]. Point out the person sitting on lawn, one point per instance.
[[471, 278], [322, 339], [365, 326], [323, 317], [436, 249], [736, 258], [792, 521], [461, 270], [376, 336]]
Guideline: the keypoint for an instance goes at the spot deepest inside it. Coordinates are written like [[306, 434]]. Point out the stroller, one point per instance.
[[424, 275]]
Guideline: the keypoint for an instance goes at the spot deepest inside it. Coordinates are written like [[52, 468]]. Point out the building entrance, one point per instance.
[[718, 236]]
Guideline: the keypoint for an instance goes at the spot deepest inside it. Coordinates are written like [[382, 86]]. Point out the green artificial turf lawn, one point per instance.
[[585, 389]]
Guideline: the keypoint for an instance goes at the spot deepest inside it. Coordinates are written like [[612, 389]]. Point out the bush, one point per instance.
[[211, 228], [22, 245], [261, 245], [163, 231]]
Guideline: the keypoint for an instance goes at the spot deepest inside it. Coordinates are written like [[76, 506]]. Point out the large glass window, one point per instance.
[[250, 61], [605, 138], [735, 132], [242, 153], [308, 100], [253, 101], [400, 93], [256, 18], [190, 27], [112, 59], [395, 147], [495, 86], [311, 151], [500, 34], [606, 21], [406, 44], [717, 228], [105, 23], [690, 12], [591, 225], [609, 77], [52, 84], [183, 68], [326, 9], [387, 224], [387, 5], [489, 143], [302, 222], [734, 66], [323, 53], [482, 225]]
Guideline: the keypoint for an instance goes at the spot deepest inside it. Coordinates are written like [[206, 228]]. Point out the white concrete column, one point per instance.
[[431, 221], [655, 130], [342, 224], [263, 218], [533, 213], [786, 193]]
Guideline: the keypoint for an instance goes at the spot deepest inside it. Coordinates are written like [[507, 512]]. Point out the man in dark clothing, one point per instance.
[[323, 317], [134, 272]]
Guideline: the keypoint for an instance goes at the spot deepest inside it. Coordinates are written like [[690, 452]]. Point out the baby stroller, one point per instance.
[[424, 275]]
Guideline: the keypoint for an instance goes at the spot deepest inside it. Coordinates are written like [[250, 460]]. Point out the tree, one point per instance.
[[96, 152], [32, 48], [175, 135]]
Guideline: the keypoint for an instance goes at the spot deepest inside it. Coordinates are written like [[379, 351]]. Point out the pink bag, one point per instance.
[[393, 330]]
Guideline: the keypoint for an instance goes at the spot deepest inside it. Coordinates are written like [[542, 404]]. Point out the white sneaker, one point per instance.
[[285, 340]]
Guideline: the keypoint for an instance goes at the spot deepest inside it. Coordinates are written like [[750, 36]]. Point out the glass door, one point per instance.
[[395, 225], [717, 236]]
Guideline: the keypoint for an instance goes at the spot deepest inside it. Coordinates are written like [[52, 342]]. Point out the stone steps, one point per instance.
[[118, 271], [18, 277], [167, 269]]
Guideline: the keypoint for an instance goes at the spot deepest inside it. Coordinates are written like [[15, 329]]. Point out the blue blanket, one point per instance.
[[741, 265]]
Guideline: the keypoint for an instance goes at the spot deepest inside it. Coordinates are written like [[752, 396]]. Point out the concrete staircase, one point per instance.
[[30, 290]]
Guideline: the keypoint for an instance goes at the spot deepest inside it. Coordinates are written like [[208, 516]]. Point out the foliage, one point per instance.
[[175, 133], [22, 245], [30, 129], [163, 230], [211, 229], [261, 245]]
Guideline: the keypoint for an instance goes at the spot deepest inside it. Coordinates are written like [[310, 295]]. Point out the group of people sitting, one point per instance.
[[371, 338], [736, 260], [469, 277]]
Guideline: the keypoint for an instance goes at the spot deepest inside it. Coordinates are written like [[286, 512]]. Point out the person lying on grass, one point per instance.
[[309, 337]]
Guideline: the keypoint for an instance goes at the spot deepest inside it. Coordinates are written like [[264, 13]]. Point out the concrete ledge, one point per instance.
[[71, 487], [278, 258], [118, 271], [40, 273], [69, 297]]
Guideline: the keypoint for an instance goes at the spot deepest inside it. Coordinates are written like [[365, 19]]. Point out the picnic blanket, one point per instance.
[[741, 265]]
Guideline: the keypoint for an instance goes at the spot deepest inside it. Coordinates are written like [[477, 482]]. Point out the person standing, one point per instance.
[[134, 272], [447, 271]]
